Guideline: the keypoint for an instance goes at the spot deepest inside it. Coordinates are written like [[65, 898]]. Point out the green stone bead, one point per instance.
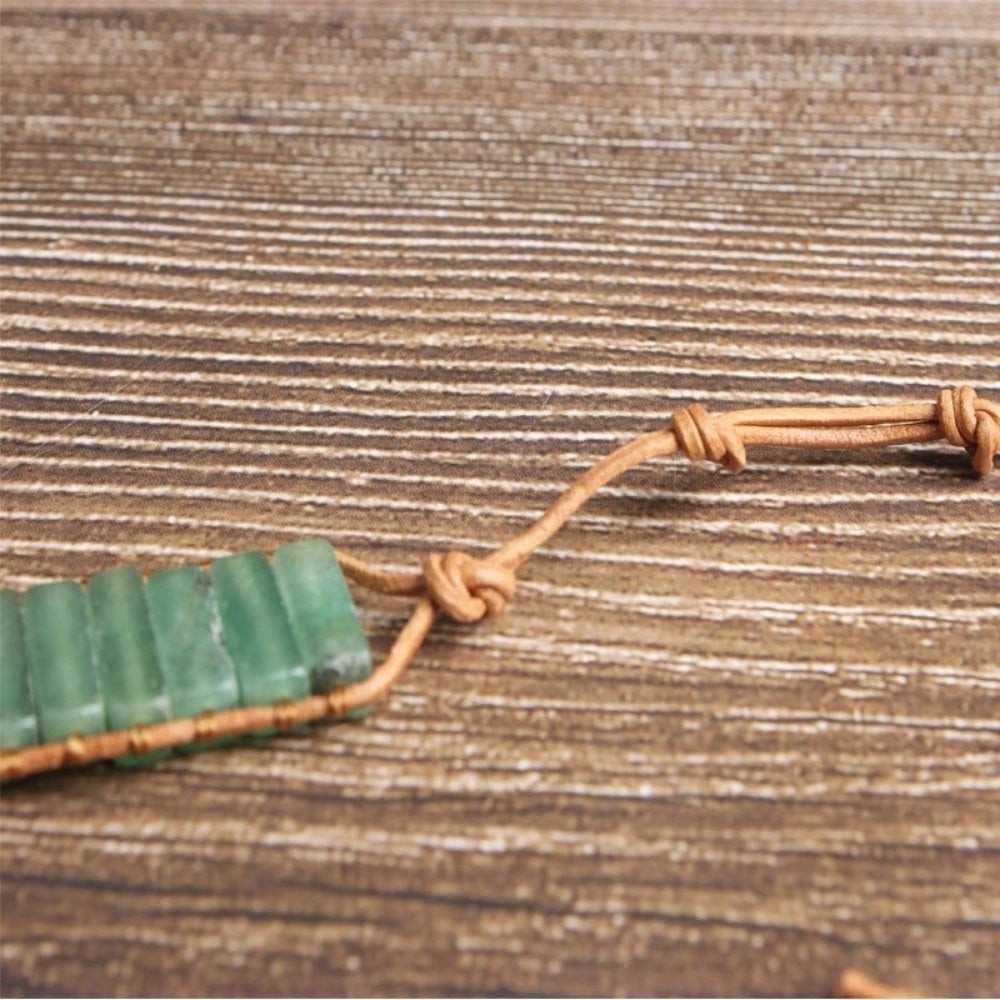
[[322, 614], [125, 651], [18, 725], [199, 673], [257, 631], [64, 677]]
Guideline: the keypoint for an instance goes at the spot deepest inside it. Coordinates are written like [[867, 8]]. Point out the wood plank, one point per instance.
[[394, 273]]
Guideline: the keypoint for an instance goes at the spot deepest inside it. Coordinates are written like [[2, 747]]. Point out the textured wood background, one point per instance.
[[393, 273]]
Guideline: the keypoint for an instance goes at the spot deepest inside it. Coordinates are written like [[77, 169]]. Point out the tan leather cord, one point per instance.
[[856, 985], [468, 588]]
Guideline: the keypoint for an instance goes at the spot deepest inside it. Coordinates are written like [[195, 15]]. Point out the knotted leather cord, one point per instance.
[[468, 588]]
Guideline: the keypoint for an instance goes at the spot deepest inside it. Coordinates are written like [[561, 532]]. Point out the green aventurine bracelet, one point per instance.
[[127, 669]]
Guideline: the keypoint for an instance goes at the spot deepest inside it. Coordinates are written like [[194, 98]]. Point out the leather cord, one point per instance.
[[467, 588]]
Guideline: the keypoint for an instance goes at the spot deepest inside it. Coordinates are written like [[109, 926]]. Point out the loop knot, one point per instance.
[[701, 436], [971, 423], [465, 588]]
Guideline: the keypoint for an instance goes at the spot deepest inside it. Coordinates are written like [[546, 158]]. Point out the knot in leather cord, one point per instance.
[[465, 588], [970, 422], [701, 436]]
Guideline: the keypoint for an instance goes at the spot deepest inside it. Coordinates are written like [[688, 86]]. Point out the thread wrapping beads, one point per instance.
[[125, 654]]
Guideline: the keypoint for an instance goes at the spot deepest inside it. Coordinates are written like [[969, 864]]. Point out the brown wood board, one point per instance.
[[393, 273]]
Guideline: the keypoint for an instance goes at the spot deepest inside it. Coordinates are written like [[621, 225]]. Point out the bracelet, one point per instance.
[[254, 645]]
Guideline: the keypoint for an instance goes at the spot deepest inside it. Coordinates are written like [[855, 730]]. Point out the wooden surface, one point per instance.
[[394, 273]]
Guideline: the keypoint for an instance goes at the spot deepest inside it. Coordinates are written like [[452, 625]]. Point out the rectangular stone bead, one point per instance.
[[256, 629], [199, 673], [322, 614], [18, 724], [63, 674], [126, 656]]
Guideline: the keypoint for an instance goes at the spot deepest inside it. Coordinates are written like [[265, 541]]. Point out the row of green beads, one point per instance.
[[123, 652]]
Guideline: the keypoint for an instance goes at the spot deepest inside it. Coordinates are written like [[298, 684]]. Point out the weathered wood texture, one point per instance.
[[393, 273]]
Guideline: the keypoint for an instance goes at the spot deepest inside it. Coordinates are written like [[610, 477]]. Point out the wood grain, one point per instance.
[[394, 273]]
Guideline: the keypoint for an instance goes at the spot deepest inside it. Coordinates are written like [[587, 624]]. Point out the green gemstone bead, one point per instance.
[[64, 677], [199, 673], [125, 651], [18, 725], [257, 631], [322, 614]]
